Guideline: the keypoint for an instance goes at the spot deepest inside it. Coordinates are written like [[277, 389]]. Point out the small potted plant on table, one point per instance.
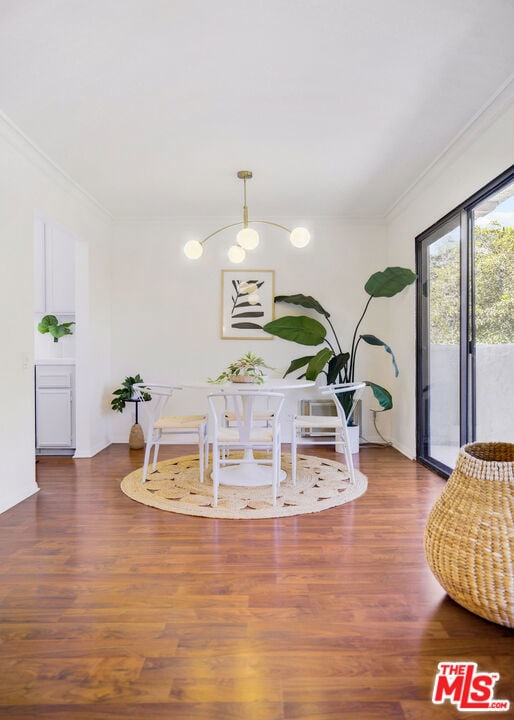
[[248, 369]]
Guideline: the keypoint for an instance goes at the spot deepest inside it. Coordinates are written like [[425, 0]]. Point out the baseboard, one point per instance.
[[63, 452], [8, 503], [92, 451], [403, 450]]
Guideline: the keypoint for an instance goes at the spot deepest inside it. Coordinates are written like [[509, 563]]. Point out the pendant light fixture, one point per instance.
[[247, 238]]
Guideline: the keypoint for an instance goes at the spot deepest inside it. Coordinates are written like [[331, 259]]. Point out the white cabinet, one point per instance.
[[54, 270], [55, 419]]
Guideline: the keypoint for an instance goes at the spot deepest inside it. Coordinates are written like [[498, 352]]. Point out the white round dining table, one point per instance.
[[249, 474]]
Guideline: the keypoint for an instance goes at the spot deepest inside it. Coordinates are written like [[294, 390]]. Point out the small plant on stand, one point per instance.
[[125, 393]]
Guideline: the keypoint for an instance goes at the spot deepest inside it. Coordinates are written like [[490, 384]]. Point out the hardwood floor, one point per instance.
[[110, 609]]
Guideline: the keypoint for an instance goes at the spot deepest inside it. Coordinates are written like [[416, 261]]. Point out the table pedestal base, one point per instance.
[[248, 475]]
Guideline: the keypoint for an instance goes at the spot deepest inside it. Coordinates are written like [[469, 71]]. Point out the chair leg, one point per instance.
[[149, 443], [206, 449], [215, 472], [276, 469], [348, 455], [293, 453], [156, 448], [201, 449]]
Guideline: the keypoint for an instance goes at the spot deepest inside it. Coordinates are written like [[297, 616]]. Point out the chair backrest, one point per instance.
[[345, 397], [262, 410], [159, 392], [242, 405]]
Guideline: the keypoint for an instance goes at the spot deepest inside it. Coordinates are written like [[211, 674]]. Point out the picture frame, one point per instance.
[[247, 303]]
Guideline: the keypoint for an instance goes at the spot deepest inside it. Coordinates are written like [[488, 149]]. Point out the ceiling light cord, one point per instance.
[[247, 237]]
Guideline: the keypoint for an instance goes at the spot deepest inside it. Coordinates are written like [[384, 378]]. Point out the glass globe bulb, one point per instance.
[[236, 254], [300, 237], [193, 249], [248, 238]]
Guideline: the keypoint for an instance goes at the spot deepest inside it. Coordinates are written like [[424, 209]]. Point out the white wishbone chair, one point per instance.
[[336, 425], [245, 434], [160, 424]]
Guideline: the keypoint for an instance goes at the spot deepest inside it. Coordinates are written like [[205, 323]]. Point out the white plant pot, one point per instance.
[[353, 434]]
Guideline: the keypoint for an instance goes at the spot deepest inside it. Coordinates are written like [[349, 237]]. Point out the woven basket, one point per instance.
[[469, 536]]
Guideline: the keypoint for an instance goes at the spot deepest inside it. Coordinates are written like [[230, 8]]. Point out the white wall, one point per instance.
[[449, 183], [28, 183], [166, 308]]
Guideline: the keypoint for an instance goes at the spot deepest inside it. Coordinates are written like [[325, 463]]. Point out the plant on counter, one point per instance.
[[337, 365], [125, 393], [248, 368], [50, 324]]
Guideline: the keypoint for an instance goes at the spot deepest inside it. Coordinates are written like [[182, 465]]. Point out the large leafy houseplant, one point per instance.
[[338, 365]]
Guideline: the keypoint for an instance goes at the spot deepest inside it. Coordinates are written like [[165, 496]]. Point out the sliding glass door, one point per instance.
[[441, 301], [465, 339], [493, 306]]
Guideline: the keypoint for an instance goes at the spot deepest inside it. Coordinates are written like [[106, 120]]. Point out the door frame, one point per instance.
[[467, 374]]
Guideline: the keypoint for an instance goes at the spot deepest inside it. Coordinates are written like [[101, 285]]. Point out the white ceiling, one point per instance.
[[337, 106]]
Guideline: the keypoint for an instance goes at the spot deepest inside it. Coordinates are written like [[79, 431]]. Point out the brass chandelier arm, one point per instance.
[[226, 227], [268, 222]]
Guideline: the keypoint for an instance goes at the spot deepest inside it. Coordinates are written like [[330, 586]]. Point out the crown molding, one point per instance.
[[20, 142], [497, 104], [146, 219]]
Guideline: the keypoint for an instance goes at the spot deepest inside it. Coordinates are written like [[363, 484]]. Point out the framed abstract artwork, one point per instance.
[[247, 303]]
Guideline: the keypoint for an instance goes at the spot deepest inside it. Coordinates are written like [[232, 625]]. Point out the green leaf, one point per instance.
[[297, 328], [317, 363], [346, 401], [389, 282], [117, 404], [298, 363], [335, 365], [49, 320], [382, 395], [373, 340], [46, 323], [306, 301], [58, 331]]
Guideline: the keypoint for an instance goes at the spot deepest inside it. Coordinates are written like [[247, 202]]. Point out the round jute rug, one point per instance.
[[175, 487]]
